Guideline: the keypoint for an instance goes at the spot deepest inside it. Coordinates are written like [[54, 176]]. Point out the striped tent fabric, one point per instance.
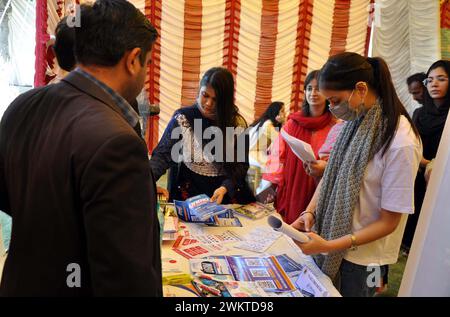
[[445, 29], [48, 14], [269, 46]]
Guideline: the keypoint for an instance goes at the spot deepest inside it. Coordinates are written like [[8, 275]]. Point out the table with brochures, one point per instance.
[[176, 262]]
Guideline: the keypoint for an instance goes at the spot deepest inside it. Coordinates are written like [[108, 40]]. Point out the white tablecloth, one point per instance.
[[283, 245]]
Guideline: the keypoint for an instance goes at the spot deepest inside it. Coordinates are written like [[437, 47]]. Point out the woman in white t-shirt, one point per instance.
[[359, 210]]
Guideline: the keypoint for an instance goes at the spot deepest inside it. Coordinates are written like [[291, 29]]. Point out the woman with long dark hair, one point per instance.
[[294, 188], [262, 132], [430, 121], [360, 207], [275, 114], [218, 171]]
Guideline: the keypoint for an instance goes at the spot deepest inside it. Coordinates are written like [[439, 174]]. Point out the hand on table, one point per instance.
[[218, 195], [162, 193]]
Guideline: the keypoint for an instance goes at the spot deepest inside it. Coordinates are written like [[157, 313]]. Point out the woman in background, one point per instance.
[[294, 188], [261, 133], [430, 121]]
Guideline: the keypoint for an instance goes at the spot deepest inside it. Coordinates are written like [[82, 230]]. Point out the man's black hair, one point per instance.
[[64, 45], [108, 29], [416, 77]]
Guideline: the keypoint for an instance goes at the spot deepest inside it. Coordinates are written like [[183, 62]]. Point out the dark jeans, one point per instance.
[[420, 187], [352, 279]]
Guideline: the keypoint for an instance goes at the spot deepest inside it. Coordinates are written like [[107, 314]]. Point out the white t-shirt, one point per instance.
[[389, 184], [260, 140]]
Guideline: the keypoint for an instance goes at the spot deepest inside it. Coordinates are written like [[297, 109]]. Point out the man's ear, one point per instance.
[[132, 60]]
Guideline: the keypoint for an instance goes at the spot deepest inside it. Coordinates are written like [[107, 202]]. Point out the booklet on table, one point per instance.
[[199, 209]]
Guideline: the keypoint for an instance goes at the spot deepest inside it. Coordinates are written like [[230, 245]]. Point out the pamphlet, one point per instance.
[[198, 209], [171, 265], [300, 148], [227, 219], [292, 268], [189, 248], [255, 210], [208, 287], [258, 240], [251, 276], [217, 265], [225, 237], [308, 283], [244, 289], [266, 196], [170, 228], [266, 272], [198, 250], [295, 293]]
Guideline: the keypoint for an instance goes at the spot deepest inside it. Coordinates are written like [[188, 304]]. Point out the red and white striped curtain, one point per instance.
[[268, 45]]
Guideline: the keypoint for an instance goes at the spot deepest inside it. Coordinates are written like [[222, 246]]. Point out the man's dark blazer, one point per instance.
[[75, 178]]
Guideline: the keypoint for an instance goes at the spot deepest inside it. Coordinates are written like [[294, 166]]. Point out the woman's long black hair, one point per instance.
[[344, 70], [427, 100], [271, 113], [227, 115], [221, 80]]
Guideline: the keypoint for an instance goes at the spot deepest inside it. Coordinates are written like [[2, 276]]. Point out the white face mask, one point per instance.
[[345, 112]]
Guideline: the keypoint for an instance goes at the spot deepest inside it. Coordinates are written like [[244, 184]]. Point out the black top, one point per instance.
[[430, 121], [188, 180]]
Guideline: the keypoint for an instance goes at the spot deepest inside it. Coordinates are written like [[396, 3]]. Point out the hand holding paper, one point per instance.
[[280, 225], [302, 149]]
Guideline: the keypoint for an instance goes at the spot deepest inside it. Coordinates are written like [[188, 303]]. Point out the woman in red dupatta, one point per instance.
[[294, 188]]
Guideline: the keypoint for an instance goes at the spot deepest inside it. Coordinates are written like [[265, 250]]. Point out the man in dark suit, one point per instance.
[[74, 174]]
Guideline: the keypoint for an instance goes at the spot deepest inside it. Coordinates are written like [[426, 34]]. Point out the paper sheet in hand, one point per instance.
[[302, 149], [281, 226]]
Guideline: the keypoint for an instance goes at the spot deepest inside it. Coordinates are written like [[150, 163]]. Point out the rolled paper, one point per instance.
[[279, 225]]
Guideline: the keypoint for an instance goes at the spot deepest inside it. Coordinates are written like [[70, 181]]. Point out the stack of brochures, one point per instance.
[[170, 228], [200, 209]]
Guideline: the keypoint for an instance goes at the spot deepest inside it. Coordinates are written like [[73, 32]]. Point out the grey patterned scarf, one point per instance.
[[356, 145]]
